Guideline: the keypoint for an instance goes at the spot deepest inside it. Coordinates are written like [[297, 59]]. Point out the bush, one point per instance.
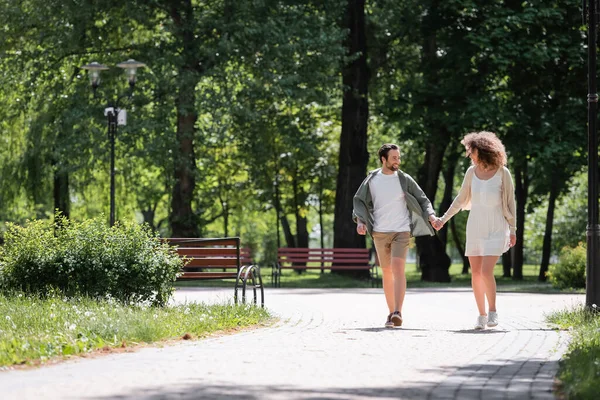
[[126, 262], [569, 272]]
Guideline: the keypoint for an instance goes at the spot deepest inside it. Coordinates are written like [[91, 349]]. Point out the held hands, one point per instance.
[[436, 222], [513, 240]]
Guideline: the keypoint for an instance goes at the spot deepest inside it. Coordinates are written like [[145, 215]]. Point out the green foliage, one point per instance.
[[34, 328], [579, 369], [569, 272], [125, 262]]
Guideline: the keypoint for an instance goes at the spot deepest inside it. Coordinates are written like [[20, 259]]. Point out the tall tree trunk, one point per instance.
[[521, 191], [148, 214], [353, 157], [433, 260], [62, 201], [224, 207], [182, 218], [301, 229], [507, 263], [287, 232], [547, 247], [301, 223], [184, 223]]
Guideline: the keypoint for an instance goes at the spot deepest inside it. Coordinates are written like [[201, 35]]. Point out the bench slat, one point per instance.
[[208, 251], [326, 267], [207, 242], [326, 260], [206, 262]]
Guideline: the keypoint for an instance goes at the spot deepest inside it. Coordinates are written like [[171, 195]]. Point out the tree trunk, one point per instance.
[[287, 232], [62, 201], [521, 190], [353, 157], [182, 218], [148, 214], [547, 247], [301, 223], [507, 263], [184, 223], [433, 260]]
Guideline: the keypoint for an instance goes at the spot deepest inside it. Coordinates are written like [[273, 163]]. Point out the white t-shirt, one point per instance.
[[389, 204]]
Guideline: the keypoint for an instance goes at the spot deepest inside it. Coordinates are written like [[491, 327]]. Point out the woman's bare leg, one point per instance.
[[477, 282], [487, 272]]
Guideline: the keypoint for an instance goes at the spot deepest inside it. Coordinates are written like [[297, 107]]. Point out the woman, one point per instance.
[[488, 191]]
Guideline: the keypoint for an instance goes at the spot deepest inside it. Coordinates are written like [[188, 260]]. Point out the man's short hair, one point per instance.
[[385, 149]]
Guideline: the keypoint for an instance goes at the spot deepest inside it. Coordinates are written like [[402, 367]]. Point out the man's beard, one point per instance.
[[392, 167]]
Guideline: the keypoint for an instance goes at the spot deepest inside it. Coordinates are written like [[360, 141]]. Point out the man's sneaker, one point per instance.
[[397, 318], [389, 323], [492, 319], [481, 322]]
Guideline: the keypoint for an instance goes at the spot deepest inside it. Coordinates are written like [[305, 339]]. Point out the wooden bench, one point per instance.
[[219, 258], [333, 259]]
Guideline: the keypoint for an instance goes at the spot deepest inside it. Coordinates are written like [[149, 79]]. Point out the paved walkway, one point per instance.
[[330, 344]]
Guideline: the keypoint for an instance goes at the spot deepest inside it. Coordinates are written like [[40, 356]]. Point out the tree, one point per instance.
[[353, 156]]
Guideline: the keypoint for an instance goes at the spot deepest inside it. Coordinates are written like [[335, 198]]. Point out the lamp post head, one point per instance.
[[94, 69], [130, 66]]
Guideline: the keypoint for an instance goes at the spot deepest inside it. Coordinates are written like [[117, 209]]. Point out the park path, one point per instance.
[[330, 344]]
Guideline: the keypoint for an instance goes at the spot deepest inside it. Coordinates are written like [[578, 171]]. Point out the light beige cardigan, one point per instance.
[[462, 201]]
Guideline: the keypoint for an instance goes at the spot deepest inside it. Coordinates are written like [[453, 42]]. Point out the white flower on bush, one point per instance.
[[88, 313], [72, 327], [8, 318], [186, 311]]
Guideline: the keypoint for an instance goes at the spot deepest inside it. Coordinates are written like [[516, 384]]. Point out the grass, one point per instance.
[[314, 279], [579, 369], [35, 330]]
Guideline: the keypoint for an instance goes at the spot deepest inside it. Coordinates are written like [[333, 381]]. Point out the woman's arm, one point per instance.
[[462, 199]]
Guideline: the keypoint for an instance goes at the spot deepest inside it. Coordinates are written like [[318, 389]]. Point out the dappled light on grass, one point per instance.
[[34, 330]]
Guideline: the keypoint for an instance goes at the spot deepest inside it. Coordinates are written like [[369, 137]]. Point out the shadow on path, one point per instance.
[[502, 379]]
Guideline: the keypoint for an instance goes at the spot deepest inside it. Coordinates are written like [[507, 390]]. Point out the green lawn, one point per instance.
[[316, 279], [34, 330], [579, 369]]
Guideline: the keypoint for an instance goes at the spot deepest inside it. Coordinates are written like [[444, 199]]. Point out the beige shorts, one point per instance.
[[390, 244]]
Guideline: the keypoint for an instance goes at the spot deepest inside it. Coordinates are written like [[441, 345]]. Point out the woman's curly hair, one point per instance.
[[490, 150]]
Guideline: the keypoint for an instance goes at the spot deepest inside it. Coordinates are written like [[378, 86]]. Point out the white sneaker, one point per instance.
[[492, 319], [481, 322]]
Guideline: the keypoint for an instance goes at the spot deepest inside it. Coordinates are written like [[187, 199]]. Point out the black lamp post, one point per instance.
[[592, 292], [114, 114]]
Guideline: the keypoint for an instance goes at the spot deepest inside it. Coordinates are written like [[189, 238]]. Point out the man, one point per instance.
[[391, 206]]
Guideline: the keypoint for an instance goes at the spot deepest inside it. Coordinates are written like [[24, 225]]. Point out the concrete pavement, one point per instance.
[[331, 344]]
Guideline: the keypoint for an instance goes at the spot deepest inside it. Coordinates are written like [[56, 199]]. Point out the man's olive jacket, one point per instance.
[[419, 206]]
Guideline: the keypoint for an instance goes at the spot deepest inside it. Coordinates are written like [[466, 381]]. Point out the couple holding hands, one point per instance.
[[391, 206]]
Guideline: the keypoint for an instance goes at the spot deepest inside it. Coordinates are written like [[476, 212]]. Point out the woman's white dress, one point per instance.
[[488, 233]]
